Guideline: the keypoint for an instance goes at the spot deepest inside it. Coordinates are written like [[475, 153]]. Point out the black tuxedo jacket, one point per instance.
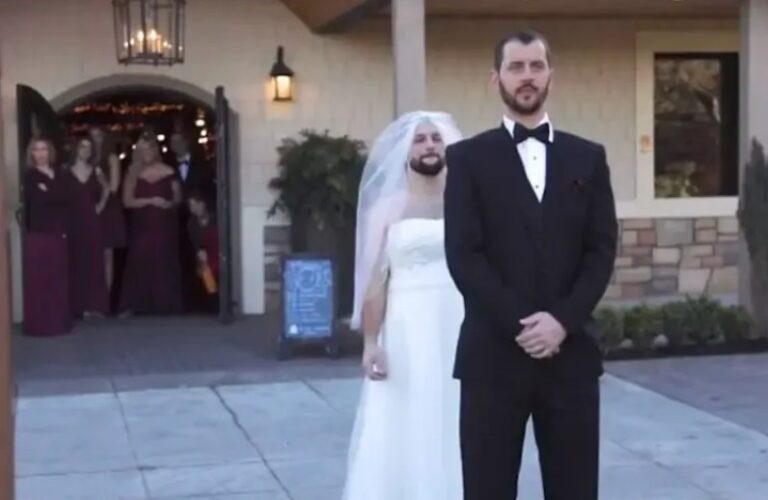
[[198, 178], [511, 255]]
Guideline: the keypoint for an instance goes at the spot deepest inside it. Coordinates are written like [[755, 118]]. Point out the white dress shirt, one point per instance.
[[184, 166], [534, 156]]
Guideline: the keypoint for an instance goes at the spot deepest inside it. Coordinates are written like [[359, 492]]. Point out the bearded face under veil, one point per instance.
[[391, 190]]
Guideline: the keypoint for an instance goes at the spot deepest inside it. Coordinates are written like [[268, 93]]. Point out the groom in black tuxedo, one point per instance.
[[530, 235]]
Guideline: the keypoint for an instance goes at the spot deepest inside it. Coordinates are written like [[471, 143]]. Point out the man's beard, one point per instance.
[[521, 108], [428, 168]]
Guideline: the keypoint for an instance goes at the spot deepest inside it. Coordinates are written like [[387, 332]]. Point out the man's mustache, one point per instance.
[[429, 155], [527, 87]]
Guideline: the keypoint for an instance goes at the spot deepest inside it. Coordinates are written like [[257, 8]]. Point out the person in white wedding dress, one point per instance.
[[405, 441]]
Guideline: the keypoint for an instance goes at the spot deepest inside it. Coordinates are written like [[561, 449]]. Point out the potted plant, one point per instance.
[[753, 214], [317, 184]]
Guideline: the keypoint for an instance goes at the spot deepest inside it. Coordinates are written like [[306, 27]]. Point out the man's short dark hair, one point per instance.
[[525, 37]]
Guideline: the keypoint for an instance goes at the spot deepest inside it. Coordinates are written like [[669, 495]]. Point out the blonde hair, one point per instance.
[[51, 151]]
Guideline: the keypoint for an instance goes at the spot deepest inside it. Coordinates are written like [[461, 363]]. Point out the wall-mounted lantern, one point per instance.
[[282, 79]]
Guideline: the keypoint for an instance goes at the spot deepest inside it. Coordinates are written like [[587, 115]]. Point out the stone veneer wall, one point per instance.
[[662, 257], [656, 257], [276, 244]]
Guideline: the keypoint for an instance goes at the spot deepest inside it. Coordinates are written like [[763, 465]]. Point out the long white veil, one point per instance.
[[383, 194]]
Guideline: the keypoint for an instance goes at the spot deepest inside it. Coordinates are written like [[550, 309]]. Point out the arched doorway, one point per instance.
[[127, 105], [183, 128]]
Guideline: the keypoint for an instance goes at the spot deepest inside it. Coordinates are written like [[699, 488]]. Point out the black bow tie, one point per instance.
[[540, 133]]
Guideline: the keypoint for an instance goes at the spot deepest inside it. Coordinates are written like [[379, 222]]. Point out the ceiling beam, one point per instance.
[[333, 16], [336, 16]]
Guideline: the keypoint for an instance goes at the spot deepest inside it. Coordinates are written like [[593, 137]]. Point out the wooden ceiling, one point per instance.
[[581, 8], [327, 16]]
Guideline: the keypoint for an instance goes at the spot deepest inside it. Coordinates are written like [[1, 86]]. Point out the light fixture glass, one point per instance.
[[149, 31], [282, 79]]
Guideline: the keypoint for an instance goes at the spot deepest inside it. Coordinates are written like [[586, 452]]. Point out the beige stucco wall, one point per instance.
[[344, 82]]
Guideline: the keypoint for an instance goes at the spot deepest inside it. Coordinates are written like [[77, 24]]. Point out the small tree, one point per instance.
[[753, 219], [318, 178], [316, 185]]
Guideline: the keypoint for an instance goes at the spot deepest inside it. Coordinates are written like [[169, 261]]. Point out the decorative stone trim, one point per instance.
[[276, 244], [659, 257], [656, 257]]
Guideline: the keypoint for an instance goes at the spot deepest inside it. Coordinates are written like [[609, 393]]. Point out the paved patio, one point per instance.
[[188, 409], [287, 440], [732, 387]]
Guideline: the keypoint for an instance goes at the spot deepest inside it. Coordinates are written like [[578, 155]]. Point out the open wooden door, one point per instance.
[[7, 385], [35, 118], [223, 206]]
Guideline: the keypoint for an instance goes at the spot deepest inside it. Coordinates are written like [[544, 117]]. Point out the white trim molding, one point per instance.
[[671, 208], [645, 205]]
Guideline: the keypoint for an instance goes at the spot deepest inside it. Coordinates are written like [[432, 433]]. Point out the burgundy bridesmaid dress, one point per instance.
[[88, 282], [45, 262], [152, 277], [114, 232]]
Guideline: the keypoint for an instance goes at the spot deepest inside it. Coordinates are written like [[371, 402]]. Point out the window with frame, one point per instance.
[[696, 124]]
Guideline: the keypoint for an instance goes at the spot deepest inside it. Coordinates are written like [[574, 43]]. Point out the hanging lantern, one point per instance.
[[149, 31], [282, 79]]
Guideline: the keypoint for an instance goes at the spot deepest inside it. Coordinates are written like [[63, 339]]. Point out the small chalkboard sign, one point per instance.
[[308, 302]]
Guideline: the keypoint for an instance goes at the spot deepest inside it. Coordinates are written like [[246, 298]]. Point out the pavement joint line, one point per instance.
[[319, 394], [249, 438], [130, 443], [79, 473]]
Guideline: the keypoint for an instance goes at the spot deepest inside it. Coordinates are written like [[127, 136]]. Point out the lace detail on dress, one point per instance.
[[416, 253]]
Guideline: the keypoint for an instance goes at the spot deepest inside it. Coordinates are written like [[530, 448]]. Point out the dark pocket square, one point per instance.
[[580, 186]]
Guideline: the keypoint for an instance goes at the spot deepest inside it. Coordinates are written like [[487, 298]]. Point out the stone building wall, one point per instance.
[[656, 258], [662, 257], [276, 244]]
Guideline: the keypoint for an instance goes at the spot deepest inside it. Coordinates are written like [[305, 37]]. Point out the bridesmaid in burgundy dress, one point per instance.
[[114, 233], [87, 193], [45, 270], [152, 192]]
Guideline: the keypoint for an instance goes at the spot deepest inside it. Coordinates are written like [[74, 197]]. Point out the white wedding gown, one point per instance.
[[405, 442]]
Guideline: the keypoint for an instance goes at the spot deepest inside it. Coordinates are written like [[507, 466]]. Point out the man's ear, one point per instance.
[[494, 79], [551, 79]]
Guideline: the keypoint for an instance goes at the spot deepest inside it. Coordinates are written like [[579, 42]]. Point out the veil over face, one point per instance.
[[390, 191]]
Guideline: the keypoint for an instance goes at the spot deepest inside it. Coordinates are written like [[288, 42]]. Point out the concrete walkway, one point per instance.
[[288, 440]]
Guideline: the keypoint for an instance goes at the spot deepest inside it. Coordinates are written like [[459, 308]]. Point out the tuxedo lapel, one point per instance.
[[511, 165]]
